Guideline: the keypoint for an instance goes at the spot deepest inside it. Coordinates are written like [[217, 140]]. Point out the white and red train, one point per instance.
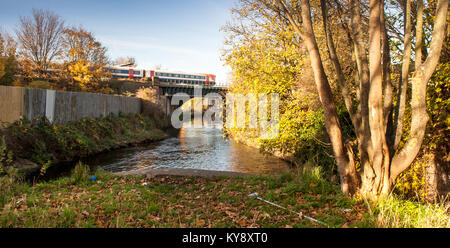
[[163, 76]]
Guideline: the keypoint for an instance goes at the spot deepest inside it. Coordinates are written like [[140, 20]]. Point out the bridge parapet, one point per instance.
[[172, 89]]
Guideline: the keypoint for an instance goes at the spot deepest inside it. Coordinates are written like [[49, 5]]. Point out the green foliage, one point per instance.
[[266, 57], [80, 173], [11, 184], [44, 167], [412, 183], [6, 157], [45, 143], [397, 213], [301, 134], [438, 103]]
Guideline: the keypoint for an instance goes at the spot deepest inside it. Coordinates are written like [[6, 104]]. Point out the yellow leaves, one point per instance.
[[80, 72]]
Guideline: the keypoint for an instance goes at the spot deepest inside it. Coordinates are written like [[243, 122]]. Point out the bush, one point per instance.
[[40, 85], [8, 67], [41, 142], [80, 173]]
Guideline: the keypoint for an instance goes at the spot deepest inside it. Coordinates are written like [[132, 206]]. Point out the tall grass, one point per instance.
[[11, 184], [80, 173], [394, 212]]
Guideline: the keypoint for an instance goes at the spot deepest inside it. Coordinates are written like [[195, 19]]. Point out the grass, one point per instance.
[[176, 201], [171, 201], [394, 212]]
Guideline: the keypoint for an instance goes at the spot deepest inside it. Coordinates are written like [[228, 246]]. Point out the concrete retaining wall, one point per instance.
[[61, 106]]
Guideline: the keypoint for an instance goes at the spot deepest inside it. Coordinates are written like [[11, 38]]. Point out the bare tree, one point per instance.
[[40, 37], [128, 61], [8, 45], [381, 159]]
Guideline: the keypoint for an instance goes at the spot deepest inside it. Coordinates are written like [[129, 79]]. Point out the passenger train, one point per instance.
[[162, 76]]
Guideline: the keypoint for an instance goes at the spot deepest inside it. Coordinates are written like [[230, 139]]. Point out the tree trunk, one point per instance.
[[387, 83], [379, 171], [344, 158], [403, 84], [346, 167]]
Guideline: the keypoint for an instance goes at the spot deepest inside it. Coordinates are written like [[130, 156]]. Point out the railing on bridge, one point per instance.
[[171, 88]]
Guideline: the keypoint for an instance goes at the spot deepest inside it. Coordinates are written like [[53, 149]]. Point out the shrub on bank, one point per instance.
[[44, 143], [45, 85]]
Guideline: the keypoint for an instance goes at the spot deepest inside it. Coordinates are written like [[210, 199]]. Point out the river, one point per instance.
[[194, 148]]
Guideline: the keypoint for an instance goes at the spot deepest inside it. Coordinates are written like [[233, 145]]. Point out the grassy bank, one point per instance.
[[45, 144], [175, 201], [135, 201]]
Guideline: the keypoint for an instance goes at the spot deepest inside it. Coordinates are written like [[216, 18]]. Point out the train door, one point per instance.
[[131, 73]]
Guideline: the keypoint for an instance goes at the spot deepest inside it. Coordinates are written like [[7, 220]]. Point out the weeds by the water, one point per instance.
[[44, 143], [80, 173]]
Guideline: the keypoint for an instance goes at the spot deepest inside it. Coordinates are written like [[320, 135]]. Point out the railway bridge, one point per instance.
[[167, 90]]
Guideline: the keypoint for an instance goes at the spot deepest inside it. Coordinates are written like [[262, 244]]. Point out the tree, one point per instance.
[[128, 61], [8, 45], [381, 159], [84, 58], [8, 68], [8, 63], [40, 38]]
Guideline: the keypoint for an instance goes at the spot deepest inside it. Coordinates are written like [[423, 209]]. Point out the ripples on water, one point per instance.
[[195, 148]]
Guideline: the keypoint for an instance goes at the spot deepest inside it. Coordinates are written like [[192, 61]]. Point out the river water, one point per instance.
[[195, 148]]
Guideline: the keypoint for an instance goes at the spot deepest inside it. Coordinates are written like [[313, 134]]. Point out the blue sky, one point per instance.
[[178, 35]]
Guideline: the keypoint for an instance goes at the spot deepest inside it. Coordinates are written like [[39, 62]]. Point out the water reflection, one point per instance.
[[196, 148]]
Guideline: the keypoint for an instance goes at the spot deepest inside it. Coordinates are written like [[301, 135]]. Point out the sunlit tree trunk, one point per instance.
[[403, 84], [344, 157]]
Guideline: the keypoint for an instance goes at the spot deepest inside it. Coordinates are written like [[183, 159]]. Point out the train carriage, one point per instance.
[[163, 76], [126, 72]]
